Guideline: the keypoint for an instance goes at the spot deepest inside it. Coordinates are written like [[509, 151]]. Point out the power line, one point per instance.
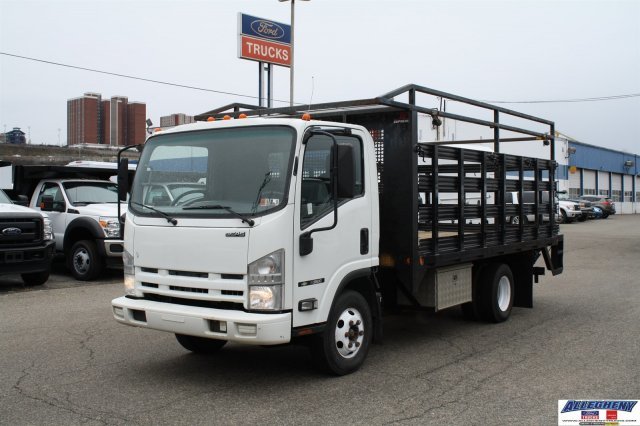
[[166, 83], [185, 86], [595, 99]]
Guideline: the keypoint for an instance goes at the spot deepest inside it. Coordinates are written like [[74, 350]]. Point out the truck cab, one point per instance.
[[83, 214], [257, 249]]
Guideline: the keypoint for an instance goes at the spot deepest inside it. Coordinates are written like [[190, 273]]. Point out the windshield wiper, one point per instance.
[[250, 222], [160, 212]]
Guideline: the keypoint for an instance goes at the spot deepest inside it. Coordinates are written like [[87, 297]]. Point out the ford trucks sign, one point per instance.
[[264, 40]]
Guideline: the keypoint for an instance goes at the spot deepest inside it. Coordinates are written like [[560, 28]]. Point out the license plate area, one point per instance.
[[13, 257]]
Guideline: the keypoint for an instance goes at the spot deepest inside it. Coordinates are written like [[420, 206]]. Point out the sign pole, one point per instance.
[[292, 47], [260, 85], [269, 86]]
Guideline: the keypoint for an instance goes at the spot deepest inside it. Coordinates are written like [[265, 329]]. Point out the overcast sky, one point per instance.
[[345, 49]]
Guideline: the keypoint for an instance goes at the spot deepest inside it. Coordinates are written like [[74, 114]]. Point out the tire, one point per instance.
[[496, 293], [84, 262], [200, 345], [350, 323], [563, 216], [582, 218], [35, 278], [605, 215]]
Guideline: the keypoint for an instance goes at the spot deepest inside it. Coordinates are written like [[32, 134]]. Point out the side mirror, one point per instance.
[[123, 179], [346, 172], [46, 203]]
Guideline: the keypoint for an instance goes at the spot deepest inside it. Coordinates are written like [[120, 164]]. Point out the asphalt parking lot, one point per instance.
[[64, 360]]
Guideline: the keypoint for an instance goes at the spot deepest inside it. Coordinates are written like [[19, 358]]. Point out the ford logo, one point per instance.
[[267, 29], [11, 231]]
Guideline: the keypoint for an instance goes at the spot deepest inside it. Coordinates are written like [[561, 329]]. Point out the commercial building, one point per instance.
[[595, 170], [114, 122], [15, 136], [175, 120]]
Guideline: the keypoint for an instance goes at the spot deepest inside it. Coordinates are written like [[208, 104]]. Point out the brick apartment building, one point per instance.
[[114, 122], [176, 120]]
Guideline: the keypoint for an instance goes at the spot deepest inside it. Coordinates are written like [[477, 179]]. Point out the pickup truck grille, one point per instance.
[[20, 232]]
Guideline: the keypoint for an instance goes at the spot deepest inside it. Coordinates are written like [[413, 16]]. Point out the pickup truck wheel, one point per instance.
[[343, 346], [582, 218], [84, 261], [497, 293], [200, 345], [35, 278]]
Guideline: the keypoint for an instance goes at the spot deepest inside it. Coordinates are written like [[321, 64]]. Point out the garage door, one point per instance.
[[574, 183], [603, 183], [589, 182]]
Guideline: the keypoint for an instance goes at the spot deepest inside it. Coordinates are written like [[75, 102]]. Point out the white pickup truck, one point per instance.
[[85, 222]]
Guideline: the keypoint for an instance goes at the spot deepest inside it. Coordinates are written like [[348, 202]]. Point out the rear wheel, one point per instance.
[[604, 215], [84, 261], [343, 346], [35, 278], [497, 292], [200, 345]]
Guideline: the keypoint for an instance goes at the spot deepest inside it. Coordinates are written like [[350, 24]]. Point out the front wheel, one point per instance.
[[200, 345], [84, 261], [35, 278], [497, 293], [343, 346]]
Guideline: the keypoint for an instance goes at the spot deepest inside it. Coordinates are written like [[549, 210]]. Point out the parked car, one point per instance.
[[606, 204], [597, 213], [586, 208]]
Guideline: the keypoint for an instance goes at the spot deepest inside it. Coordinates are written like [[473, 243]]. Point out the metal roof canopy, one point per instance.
[[387, 103]]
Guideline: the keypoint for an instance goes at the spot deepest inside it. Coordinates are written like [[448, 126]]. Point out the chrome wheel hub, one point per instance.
[[349, 333]]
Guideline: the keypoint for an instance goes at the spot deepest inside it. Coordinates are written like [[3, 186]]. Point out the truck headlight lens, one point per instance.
[[47, 231], [110, 226], [266, 282], [129, 273]]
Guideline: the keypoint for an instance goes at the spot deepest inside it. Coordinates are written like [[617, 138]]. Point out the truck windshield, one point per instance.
[[91, 192], [244, 169]]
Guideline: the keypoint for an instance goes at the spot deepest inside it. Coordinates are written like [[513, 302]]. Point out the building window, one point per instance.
[[616, 195], [628, 196], [604, 192], [589, 191]]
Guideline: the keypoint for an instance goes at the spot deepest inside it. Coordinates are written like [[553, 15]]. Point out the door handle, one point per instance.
[[364, 241]]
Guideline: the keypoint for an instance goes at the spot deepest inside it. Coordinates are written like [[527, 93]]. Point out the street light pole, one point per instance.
[[293, 2]]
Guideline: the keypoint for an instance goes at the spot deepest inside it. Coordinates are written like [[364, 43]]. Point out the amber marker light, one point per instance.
[[226, 117], [242, 116], [306, 116], [211, 119]]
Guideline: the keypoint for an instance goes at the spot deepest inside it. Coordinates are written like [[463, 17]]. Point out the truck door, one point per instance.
[[336, 252], [57, 216]]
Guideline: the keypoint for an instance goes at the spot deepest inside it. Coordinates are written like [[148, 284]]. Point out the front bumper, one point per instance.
[[573, 213], [113, 248], [27, 259], [242, 327]]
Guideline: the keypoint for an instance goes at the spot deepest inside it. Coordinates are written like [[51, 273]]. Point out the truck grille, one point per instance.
[[20, 232]]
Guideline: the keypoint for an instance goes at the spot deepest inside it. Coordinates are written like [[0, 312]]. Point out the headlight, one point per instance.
[[47, 231], [129, 273], [110, 226], [266, 282]]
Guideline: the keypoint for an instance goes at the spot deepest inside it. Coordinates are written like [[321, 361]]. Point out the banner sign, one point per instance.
[[264, 40]]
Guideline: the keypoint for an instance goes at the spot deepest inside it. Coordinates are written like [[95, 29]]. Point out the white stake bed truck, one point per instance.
[[287, 228]]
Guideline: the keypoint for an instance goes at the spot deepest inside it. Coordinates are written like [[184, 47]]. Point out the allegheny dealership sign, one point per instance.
[[263, 40]]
